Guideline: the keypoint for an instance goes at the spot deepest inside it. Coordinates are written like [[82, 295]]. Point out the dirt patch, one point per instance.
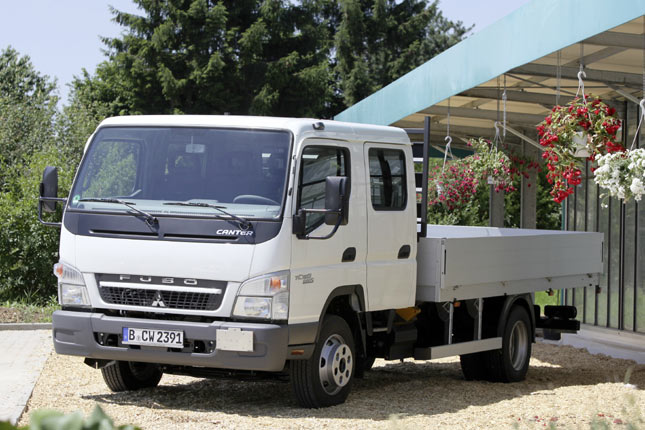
[[25, 314], [565, 388], [9, 315]]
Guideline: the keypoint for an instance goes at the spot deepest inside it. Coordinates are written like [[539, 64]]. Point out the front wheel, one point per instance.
[[326, 378], [129, 375]]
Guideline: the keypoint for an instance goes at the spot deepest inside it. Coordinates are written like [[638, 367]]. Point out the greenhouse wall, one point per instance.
[[619, 301]]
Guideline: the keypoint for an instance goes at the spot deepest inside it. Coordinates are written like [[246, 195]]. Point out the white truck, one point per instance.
[[230, 245]]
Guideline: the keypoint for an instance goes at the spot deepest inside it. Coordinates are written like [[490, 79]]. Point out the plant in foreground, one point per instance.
[[54, 420]]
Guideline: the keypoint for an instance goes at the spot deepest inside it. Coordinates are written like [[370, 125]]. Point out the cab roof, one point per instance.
[[300, 127]]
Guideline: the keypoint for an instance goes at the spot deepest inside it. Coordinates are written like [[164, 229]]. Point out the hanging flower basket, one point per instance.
[[585, 127], [622, 174], [492, 165], [453, 186]]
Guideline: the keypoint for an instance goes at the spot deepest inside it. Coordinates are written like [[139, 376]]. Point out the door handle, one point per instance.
[[349, 255], [404, 252]]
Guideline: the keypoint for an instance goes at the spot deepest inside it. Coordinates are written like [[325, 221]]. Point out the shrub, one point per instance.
[[28, 248], [53, 420]]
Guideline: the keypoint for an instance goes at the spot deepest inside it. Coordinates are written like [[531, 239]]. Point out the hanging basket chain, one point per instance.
[[447, 139], [558, 76]]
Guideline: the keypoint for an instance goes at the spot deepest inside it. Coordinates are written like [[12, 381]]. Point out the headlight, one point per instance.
[[71, 286], [264, 297]]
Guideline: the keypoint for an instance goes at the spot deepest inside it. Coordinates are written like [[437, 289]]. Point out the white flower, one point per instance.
[[622, 174]]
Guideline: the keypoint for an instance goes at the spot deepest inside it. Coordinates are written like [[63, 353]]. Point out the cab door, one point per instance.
[[391, 226], [320, 266]]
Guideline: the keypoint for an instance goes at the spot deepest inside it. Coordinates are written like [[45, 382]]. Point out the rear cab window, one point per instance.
[[388, 190]]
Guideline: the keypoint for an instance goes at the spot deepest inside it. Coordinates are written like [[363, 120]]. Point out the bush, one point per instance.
[[54, 420], [28, 248]]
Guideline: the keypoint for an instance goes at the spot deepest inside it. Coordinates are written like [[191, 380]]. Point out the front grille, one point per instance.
[[161, 299]]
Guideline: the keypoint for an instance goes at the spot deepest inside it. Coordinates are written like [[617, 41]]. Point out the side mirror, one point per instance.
[[337, 199], [49, 188]]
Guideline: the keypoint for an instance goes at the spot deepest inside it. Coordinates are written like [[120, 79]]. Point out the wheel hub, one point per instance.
[[518, 344], [336, 364]]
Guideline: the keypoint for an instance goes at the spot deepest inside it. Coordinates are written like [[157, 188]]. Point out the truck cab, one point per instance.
[[205, 242]]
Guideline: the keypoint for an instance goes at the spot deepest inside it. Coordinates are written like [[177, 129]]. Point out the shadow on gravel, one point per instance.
[[404, 389]]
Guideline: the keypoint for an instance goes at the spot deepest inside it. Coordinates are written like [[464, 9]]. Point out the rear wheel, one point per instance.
[[368, 362], [473, 366], [326, 378], [511, 363], [130, 375]]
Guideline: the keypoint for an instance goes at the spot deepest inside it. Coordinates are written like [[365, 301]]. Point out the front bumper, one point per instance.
[[76, 333]]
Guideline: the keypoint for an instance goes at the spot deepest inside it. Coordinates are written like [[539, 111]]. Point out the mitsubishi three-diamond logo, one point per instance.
[[158, 301]]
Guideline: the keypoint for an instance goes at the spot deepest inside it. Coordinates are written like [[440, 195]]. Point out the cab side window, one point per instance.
[[387, 179], [318, 162]]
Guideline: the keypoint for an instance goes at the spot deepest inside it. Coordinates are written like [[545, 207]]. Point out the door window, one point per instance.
[[318, 162], [387, 179]]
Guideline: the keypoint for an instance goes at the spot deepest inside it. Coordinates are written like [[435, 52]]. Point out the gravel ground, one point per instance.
[[565, 388]]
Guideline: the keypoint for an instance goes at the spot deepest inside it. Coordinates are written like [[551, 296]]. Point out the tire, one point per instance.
[[473, 366], [511, 363], [326, 378], [129, 375], [368, 363]]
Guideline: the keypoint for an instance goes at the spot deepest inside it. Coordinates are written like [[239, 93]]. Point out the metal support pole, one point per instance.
[[480, 310], [424, 184], [450, 318]]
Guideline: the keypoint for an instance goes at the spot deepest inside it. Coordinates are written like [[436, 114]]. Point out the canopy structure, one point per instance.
[[524, 53], [534, 55]]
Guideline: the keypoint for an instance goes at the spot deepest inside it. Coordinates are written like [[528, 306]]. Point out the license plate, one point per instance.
[[152, 337], [234, 340]]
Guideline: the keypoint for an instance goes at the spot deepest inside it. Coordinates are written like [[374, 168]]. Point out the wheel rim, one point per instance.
[[336, 364], [518, 345]]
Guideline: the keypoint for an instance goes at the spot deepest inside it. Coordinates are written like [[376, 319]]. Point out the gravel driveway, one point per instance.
[[565, 388]]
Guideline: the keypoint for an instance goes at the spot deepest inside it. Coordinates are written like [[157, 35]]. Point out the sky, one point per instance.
[[63, 36]]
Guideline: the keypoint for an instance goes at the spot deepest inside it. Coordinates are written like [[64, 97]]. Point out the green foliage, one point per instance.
[[257, 57], [453, 194], [379, 41], [27, 110], [549, 213], [24, 312], [474, 210], [28, 249], [44, 419], [272, 57]]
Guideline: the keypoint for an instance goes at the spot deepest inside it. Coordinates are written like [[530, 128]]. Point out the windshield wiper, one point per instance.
[[150, 219], [244, 223]]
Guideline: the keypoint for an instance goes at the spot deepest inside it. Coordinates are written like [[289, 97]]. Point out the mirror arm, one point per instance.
[[334, 230], [40, 210]]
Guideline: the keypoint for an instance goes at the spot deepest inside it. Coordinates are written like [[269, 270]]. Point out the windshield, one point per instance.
[[242, 171]]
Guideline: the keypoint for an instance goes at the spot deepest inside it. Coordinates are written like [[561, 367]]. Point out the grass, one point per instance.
[[542, 298], [18, 312]]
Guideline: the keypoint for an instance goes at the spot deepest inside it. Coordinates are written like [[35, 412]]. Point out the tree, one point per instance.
[[379, 41], [27, 144], [27, 110], [203, 57], [271, 57]]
